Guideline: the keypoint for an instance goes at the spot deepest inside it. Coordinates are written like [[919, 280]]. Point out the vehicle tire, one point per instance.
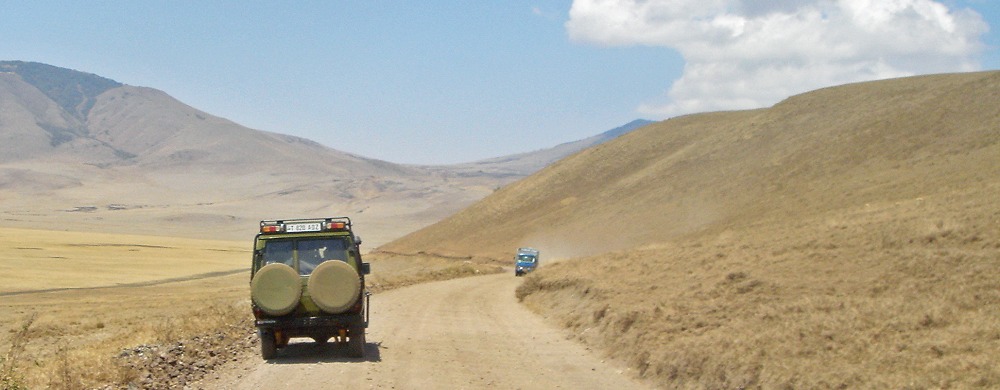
[[268, 345], [334, 286], [356, 342], [276, 289]]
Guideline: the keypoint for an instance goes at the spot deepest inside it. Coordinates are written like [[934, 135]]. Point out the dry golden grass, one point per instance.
[[844, 238], [43, 260], [76, 336], [885, 296], [109, 292]]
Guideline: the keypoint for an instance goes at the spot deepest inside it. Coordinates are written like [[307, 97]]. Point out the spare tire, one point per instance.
[[334, 286], [276, 289]]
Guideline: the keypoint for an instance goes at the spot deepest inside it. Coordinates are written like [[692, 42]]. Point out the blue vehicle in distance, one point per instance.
[[525, 261]]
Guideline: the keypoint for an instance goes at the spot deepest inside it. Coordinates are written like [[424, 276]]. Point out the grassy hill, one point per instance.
[[846, 238]]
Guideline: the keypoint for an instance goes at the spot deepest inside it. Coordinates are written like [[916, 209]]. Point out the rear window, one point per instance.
[[305, 254]]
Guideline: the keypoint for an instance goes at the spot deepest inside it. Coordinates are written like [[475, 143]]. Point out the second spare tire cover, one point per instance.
[[334, 285], [276, 289]]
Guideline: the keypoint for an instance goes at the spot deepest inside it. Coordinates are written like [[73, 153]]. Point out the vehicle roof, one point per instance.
[[271, 236], [527, 251]]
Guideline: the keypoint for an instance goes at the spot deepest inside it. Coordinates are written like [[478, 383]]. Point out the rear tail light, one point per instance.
[[270, 228]]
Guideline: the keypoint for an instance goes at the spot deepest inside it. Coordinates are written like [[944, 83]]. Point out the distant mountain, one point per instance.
[[54, 112], [73, 91], [524, 164], [74, 144], [72, 141]]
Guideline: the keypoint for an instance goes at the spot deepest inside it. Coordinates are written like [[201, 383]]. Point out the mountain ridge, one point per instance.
[[78, 141], [72, 90], [523, 164]]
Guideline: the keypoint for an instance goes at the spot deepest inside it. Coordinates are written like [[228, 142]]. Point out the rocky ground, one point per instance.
[[183, 363]]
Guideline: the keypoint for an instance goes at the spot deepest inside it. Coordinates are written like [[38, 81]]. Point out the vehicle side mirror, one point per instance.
[[357, 240], [366, 268]]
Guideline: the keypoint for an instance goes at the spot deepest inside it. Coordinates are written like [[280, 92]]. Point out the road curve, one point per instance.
[[457, 334]]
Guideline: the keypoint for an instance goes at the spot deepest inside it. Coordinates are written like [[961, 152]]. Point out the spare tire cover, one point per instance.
[[333, 286], [276, 289]]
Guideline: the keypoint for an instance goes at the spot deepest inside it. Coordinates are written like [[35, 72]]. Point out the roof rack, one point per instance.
[[346, 221]]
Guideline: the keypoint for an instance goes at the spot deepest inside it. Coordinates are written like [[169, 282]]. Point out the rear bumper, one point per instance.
[[332, 321], [316, 327]]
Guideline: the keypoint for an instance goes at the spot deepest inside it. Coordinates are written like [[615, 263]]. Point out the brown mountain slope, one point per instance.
[[825, 150], [161, 132], [82, 148], [24, 110], [845, 238]]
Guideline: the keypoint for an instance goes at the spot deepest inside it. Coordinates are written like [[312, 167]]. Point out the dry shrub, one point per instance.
[[66, 376], [10, 379], [210, 318]]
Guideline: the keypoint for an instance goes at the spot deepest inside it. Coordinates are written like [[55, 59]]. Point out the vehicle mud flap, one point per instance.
[[368, 300], [356, 342], [268, 344]]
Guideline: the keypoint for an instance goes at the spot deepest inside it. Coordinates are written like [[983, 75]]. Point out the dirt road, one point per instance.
[[462, 333]]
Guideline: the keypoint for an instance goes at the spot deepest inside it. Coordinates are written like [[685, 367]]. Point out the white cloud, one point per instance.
[[746, 54]]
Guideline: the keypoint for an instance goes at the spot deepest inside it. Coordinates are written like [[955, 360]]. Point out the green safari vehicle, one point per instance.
[[308, 280]]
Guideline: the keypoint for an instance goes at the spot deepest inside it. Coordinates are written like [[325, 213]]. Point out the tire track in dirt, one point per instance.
[[149, 283]]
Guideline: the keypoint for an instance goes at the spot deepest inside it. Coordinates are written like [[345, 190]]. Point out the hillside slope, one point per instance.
[[820, 151], [844, 238]]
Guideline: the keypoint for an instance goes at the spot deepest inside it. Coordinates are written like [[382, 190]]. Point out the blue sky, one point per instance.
[[455, 81]]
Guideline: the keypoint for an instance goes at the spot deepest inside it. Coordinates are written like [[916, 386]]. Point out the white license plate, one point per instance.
[[302, 227]]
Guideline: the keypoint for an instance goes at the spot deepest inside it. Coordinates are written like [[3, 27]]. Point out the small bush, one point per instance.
[[9, 377], [65, 376]]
